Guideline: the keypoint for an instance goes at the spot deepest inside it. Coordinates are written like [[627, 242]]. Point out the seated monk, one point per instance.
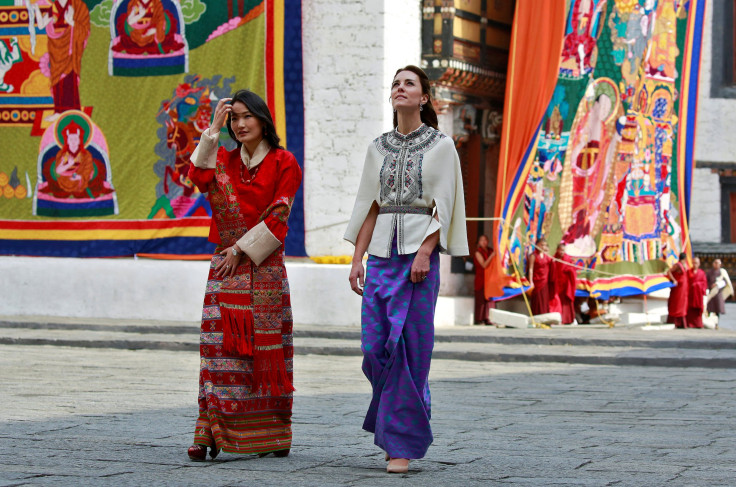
[[74, 173], [144, 30]]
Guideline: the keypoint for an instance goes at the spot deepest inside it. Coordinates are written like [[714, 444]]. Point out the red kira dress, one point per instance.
[[540, 277], [696, 297], [677, 302], [246, 347], [565, 277]]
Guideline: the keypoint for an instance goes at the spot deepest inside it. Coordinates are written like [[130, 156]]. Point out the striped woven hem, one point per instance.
[[249, 434]]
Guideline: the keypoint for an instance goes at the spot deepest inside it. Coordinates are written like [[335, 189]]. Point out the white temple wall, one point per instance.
[[714, 141], [351, 51], [705, 206]]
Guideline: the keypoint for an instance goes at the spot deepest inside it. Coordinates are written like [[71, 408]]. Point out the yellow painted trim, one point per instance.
[[104, 234], [278, 69]]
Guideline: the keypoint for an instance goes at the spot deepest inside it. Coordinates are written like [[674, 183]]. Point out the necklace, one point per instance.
[[247, 176]]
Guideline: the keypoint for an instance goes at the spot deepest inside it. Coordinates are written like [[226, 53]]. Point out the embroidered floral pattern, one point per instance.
[[401, 172]]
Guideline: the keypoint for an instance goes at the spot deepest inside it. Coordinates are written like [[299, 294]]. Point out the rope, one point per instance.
[[526, 301]]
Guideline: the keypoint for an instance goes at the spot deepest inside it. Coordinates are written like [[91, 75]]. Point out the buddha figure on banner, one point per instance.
[[146, 29], [74, 170]]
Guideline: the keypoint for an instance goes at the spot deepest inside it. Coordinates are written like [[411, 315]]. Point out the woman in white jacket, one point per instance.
[[409, 207]]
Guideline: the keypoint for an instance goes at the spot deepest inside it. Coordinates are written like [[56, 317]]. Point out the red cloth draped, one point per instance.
[[565, 281], [698, 289], [482, 305], [540, 278], [534, 58], [480, 271], [678, 300]]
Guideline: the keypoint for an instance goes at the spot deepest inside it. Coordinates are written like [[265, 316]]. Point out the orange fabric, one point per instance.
[[66, 43], [534, 57]]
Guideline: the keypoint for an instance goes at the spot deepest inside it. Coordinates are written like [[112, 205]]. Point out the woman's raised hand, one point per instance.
[[221, 111]]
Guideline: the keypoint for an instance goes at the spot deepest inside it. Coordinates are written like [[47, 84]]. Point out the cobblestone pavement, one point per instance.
[[98, 417]]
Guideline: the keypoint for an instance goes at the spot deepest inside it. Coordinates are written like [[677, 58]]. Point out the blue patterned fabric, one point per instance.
[[397, 341]]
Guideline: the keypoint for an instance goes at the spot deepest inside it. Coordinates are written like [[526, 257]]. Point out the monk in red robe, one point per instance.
[[68, 30], [540, 264], [145, 26], [74, 172], [678, 301], [696, 296], [565, 283]]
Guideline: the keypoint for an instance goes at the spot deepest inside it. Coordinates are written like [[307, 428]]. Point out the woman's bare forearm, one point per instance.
[[365, 233]]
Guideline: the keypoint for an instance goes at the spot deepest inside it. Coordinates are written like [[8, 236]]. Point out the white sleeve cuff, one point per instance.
[[205, 155], [258, 243], [434, 225]]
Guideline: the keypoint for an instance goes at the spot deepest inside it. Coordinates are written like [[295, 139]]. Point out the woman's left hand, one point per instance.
[[227, 266], [419, 268]]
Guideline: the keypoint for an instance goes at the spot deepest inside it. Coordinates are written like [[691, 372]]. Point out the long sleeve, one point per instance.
[[270, 231], [203, 161], [368, 192], [205, 154], [450, 201]]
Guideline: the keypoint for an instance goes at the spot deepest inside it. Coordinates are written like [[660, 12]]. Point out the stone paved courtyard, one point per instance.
[[86, 416]]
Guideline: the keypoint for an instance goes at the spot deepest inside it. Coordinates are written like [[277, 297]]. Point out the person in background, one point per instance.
[[678, 300], [481, 260], [410, 206], [720, 288], [540, 264], [696, 296], [564, 279]]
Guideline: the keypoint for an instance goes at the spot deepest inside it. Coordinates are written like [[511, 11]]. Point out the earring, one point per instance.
[[421, 107]]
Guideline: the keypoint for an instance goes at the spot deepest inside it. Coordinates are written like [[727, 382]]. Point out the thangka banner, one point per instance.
[[102, 102], [609, 172]]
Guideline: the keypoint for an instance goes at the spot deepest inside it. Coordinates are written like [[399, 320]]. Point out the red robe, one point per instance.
[[565, 280], [698, 289], [482, 305], [678, 300], [540, 279], [65, 47]]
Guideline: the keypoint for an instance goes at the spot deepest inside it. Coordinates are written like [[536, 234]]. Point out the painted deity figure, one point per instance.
[[664, 51], [630, 27], [73, 172], [579, 47], [9, 55], [67, 29], [147, 30], [588, 169]]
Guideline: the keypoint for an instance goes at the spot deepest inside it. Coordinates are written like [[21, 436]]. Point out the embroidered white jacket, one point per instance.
[[420, 170]]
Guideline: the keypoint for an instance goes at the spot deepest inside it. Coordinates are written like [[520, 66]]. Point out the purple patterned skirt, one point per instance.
[[397, 340]]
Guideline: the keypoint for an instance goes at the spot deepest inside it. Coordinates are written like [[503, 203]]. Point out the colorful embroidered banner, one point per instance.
[[102, 103], [608, 173]]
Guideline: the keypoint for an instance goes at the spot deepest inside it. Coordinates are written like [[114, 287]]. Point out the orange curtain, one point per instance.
[[534, 57]]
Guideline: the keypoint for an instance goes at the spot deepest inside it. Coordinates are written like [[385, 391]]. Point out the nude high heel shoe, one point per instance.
[[398, 465]]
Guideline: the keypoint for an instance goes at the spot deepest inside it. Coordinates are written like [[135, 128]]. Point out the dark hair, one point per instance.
[[683, 256], [428, 115], [259, 109]]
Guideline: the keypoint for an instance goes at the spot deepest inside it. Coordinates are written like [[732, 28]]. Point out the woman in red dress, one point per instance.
[[677, 302], [245, 379], [539, 269], [481, 259]]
